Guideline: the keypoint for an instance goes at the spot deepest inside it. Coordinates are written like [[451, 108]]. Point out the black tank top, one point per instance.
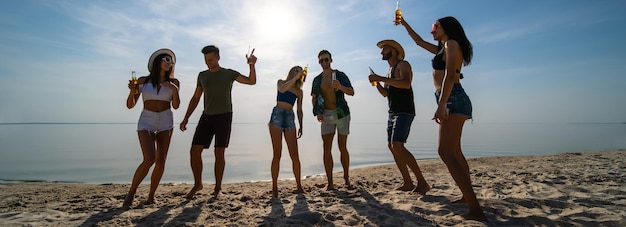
[[400, 100]]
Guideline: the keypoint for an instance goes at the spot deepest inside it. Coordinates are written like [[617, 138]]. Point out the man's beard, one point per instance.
[[387, 56]]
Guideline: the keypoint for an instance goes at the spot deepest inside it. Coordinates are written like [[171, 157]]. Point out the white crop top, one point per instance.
[[149, 92]]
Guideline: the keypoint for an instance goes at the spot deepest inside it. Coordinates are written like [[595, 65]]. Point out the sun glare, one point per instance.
[[278, 23]]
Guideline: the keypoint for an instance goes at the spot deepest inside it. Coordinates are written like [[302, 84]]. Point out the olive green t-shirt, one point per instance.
[[217, 87]]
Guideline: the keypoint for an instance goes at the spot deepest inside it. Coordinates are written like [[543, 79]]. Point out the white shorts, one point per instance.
[[330, 123], [156, 121]]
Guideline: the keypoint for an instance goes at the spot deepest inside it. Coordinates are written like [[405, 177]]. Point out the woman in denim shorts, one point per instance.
[[452, 52], [282, 124]]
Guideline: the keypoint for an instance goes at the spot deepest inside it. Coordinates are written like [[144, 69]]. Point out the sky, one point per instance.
[[534, 61]]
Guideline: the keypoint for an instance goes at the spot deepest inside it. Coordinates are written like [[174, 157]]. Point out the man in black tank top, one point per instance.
[[399, 92]]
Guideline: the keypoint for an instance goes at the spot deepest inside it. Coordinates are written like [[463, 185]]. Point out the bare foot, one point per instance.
[[478, 216], [330, 187], [274, 191], [193, 191], [406, 187], [350, 186], [461, 200], [216, 192], [299, 190], [128, 202], [149, 202], [422, 189]]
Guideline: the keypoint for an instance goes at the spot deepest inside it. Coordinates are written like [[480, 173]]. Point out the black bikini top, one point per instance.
[[288, 97], [439, 64]]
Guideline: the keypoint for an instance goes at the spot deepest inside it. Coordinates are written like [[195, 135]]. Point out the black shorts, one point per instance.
[[398, 127], [218, 125]]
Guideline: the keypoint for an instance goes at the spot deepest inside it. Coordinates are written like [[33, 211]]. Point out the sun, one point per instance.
[[277, 22]]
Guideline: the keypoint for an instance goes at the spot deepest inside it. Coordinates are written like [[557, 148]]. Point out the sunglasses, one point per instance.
[[435, 27], [167, 60], [324, 60]]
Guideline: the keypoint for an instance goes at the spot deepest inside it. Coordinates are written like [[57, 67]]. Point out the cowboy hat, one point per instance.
[[393, 44], [159, 52]]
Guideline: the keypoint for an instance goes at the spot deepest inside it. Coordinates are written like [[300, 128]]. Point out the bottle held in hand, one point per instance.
[[374, 83], [135, 82], [304, 72], [334, 78], [398, 19], [250, 57]]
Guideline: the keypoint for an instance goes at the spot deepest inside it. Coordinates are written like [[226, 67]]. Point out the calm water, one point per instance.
[[109, 153]]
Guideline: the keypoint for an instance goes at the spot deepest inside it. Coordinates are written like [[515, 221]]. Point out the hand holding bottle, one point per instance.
[[251, 58], [371, 76], [133, 84], [335, 83], [398, 18], [304, 72]]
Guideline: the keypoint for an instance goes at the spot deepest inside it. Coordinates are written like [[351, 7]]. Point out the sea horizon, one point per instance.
[[99, 153]]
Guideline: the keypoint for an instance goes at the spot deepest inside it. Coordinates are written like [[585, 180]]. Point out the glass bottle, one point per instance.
[[135, 82], [304, 72], [398, 19], [372, 73]]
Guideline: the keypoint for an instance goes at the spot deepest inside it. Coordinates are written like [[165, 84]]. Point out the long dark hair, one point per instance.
[[153, 77], [455, 31]]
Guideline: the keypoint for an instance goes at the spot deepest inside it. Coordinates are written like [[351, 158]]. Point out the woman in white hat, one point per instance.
[[159, 90]]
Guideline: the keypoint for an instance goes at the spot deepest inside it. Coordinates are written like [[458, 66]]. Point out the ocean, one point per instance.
[[109, 153]]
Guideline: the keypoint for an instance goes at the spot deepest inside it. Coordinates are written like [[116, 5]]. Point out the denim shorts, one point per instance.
[[398, 127], [282, 118], [458, 102], [155, 121]]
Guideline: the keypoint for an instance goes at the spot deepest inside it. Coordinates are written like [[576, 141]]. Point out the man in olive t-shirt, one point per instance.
[[216, 83]]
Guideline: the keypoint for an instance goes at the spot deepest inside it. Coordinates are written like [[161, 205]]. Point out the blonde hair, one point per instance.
[[292, 73]]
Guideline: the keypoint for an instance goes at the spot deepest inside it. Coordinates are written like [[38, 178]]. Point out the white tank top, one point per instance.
[[149, 92]]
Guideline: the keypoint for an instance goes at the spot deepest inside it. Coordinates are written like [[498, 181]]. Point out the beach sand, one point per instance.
[[569, 189]]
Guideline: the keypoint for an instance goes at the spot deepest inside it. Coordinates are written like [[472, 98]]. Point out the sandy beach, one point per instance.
[[568, 189]]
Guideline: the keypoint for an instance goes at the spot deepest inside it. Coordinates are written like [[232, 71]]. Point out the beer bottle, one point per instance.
[[304, 72], [398, 19], [372, 73], [135, 82]]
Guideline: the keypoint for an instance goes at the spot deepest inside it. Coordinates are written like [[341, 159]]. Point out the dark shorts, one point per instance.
[[458, 102], [218, 125], [282, 118], [398, 127]]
